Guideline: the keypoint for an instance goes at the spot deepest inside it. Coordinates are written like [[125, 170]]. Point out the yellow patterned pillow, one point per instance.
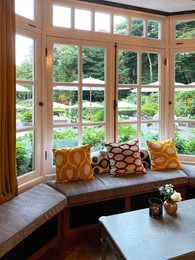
[[73, 164], [163, 155]]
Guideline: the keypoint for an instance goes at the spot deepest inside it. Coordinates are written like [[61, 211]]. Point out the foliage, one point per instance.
[[185, 30], [126, 132], [185, 67], [94, 136], [166, 191], [149, 109], [184, 145], [98, 116], [185, 103], [121, 28], [24, 154], [148, 136], [27, 117], [67, 137]]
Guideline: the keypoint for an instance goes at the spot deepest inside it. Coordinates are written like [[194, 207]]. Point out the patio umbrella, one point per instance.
[[192, 83], [20, 88], [91, 80], [88, 105], [88, 80], [19, 106], [146, 90], [59, 105], [123, 104]]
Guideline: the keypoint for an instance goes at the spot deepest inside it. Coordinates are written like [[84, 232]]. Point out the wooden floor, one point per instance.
[[85, 247]]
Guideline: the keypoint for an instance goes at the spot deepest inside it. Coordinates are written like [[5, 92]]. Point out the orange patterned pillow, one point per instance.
[[163, 155], [73, 164]]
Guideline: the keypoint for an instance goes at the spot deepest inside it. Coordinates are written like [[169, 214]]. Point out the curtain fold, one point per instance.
[[8, 178]]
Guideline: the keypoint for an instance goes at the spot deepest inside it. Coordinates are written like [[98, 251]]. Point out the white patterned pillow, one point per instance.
[[100, 162]]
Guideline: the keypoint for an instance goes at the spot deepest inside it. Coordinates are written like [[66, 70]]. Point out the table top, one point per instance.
[[141, 237]]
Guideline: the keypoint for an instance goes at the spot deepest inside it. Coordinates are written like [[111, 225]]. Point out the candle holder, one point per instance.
[[155, 207]]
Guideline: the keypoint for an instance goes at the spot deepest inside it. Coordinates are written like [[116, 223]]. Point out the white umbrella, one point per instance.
[[59, 105], [89, 80], [192, 83], [74, 88], [123, 104], [21, 88], [88, 105], [19, 106], [146, 89]]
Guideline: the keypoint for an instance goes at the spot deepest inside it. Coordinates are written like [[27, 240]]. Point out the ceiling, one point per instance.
[[168, 6]]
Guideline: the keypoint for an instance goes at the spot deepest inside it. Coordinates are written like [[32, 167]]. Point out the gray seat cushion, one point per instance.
[[105, 187], [190, 172], [26, 212]]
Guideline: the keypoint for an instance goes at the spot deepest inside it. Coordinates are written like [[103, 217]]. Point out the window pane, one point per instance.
[[65, 137], [62, 16], [150, 68], [65, 63], [64, 100], [24, 58], [150, 104], [93, 104], [127, 67], [127, 132], [184, 68], [82, 19], [153, 29], [24, 106], [127, 105], [94, 135], [93, 65], [185, 103], [24, 152], [150, 132], [185, 138], [120, 25], [102, 22], [25, 8], [137, 27], [185, 30]]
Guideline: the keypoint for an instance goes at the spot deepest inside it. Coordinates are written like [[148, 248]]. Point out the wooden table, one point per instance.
[[136, 236]]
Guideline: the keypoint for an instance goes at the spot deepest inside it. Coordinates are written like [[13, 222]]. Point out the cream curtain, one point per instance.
[[8, 179]]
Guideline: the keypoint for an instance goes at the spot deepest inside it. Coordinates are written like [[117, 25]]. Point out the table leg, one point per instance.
[[104, 244]]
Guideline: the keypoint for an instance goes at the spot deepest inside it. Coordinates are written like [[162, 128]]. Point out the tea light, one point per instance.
[[155, 207]]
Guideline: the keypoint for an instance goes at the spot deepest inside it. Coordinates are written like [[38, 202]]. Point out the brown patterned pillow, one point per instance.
[[100, 162], [145, 158], [125, 158]]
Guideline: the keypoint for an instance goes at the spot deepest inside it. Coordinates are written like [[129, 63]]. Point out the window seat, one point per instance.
[[28, 211], [105, 193]]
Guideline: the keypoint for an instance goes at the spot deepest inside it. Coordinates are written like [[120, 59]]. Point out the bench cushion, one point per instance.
[[190, 172], [26, 212], [105, 187]]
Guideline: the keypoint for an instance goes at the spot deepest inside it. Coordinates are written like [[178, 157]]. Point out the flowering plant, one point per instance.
[[169, 192]]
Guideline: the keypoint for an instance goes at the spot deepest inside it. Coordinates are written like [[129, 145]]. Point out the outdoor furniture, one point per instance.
[[136, 235]]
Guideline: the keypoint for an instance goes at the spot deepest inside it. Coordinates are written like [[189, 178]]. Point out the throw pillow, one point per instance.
[[100, 162], [125, 158], [145, 158], [73, 164], [163, 155]]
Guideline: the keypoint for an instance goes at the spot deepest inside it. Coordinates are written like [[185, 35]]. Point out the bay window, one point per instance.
[[88, 76]]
